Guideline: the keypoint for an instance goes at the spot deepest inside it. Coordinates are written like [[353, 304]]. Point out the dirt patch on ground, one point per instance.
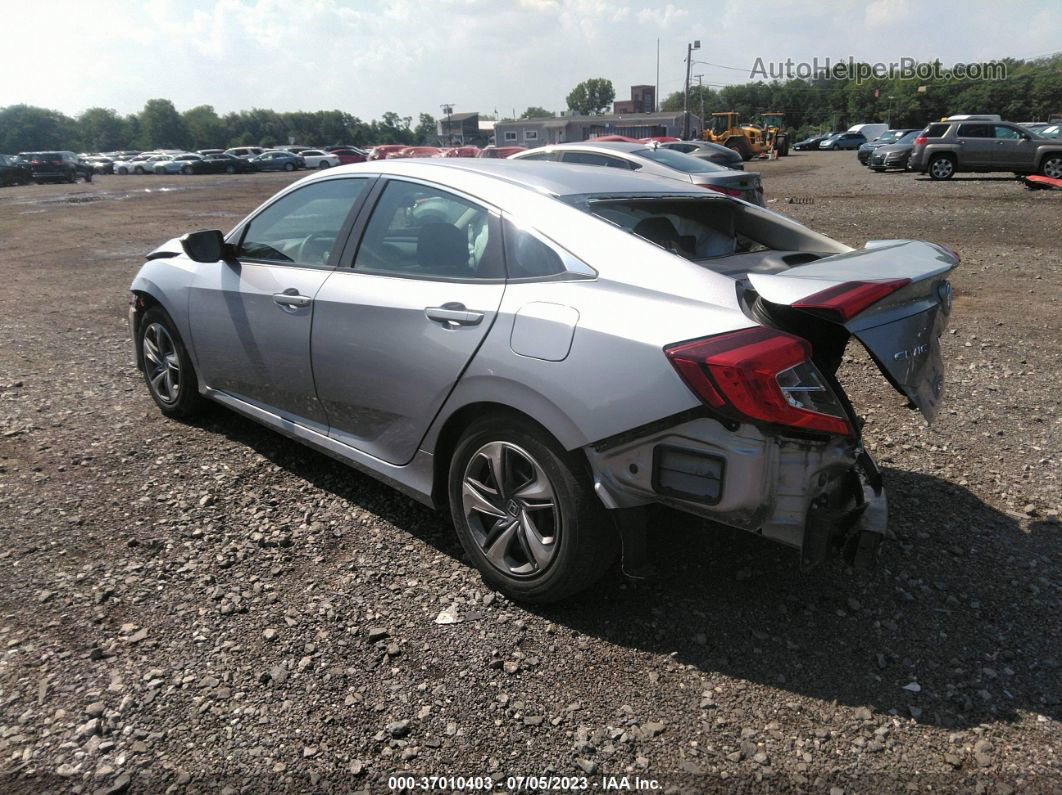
[[212, 605]]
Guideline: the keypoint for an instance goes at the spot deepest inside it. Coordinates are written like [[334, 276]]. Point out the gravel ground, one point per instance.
[[212, 607]]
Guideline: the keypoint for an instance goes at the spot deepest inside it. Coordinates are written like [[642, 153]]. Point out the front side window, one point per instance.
[[423, 231], [1007, 132], [302, 227]]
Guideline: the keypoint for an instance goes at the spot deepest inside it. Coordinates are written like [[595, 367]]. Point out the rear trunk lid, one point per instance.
[[740, 184], [892, 295]]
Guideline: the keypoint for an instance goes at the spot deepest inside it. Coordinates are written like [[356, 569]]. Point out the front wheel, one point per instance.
[[941, 167], [289, 166], [230, 169], [323, 164], [525, 512], [186, 170], [168, 370], [1052, 167]]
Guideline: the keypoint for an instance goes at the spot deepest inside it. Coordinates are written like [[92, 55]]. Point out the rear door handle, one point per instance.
[[291, 298], [453, 313]]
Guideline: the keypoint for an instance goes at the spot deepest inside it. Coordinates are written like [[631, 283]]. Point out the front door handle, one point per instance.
[[290, 298], [456, 314]]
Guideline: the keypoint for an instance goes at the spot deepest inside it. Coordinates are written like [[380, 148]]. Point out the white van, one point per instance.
[[869, 131]]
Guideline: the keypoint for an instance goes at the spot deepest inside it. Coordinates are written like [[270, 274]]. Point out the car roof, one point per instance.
[[545, 177], [604, 146]]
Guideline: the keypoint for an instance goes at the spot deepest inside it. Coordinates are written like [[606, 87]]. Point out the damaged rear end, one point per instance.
[[777, 449]]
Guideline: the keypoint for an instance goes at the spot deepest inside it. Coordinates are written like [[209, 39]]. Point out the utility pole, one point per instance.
[[695, 45]]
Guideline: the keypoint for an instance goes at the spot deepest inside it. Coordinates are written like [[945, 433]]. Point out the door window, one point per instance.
[[975, 130], [301, 228], [1007, 132], [419, 230]]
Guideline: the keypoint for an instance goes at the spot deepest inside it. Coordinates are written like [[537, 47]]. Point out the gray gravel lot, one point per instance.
[[209, 607]]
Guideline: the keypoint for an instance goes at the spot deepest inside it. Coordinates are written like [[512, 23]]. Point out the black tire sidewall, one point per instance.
[[189, 402], [583, 518]]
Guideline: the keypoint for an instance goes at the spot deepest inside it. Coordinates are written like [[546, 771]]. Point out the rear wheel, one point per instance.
[[323, 164], [138, 170], [525, 512], [168, 370], [230, 169], [289, 166], [186, 170], [1052, 167]]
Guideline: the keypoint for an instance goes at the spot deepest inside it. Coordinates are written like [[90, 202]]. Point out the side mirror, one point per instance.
[[205, 245]]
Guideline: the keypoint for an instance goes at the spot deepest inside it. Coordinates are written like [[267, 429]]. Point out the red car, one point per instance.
[[381, 152], [461, 151], [347, 156], [500, 151], [660, 139], [415, 151], [623, 139]]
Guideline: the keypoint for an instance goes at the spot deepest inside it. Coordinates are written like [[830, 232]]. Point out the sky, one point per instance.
[[412, 56]]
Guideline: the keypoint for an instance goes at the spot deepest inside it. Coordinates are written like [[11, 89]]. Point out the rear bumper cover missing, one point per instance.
[[814, 496]]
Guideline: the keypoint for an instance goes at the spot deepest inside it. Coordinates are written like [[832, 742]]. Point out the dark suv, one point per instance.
[[57, 167], [984, 145], [14, 171]]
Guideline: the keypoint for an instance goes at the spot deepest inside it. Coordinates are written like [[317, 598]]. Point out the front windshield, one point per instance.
[[680, 161]]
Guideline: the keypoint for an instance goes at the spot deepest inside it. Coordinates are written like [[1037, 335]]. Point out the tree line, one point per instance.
[[160, 126], [1031, 91]]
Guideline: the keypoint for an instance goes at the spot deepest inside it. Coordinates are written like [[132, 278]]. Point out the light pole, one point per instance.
[[448, 109], [695, 45], [700, 86]]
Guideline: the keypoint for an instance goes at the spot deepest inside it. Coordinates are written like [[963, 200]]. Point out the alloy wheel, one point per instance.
[[1053, 168], [162, 363], [510, 506], [942, 168]]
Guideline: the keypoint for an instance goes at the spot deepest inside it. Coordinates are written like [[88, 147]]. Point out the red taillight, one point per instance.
[[921, 140], [760, 375], [721, 189], [845, 301]]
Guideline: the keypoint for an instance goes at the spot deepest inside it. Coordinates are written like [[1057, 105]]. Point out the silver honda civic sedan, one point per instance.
[[546, 350]]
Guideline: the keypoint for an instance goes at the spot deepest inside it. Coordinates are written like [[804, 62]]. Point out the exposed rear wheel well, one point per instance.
[[451, 433]]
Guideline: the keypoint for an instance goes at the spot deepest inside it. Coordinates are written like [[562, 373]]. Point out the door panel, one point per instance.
[[383, 368], [977, 148], [249, 345]]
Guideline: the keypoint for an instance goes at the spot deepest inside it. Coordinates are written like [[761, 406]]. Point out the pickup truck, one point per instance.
[[945, 148]]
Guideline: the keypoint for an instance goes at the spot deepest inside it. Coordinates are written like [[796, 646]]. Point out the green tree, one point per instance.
[[535, 112], [26, 128], [591, 96], [426, 129], [204, 127], [101, 130], [161, 126]]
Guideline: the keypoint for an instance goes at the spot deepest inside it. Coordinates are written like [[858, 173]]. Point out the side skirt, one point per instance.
[[414, 479]]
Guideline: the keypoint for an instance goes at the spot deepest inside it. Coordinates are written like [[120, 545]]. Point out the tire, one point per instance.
[[230, 169], [123, 170], [138, 170], [322, 164], [289, 166], [1051, 167], [167, 367], [572, 538], [941, 167], [187, 171]]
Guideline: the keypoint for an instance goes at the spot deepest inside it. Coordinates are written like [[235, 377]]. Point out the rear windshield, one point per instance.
[[936, 130], [909, 138], [45, 156], [680, 161]]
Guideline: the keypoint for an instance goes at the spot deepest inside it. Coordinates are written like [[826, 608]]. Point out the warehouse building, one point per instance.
[[565, 129]]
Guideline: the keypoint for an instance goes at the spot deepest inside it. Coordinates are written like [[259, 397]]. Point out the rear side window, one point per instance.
[[528, 257], [975, 130], [680, 162], [422, 231], [302, 227], [541, 156], [936, 130], [595, 159]]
